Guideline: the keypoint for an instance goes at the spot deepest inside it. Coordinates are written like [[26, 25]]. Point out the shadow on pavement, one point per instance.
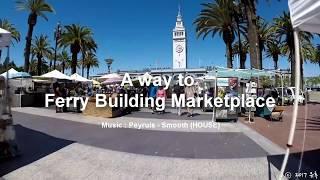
[[32, 145], [310, 162]]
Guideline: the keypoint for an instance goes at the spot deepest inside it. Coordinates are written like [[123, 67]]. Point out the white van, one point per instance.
[[301, 97], [288, 95]]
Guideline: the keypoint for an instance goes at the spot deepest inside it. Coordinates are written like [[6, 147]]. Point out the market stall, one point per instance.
[[227, 83], [107, 111]]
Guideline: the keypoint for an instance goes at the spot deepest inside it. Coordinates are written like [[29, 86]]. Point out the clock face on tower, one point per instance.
[[179, 48]]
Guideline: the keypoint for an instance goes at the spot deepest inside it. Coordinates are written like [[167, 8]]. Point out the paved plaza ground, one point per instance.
[[73, 146]]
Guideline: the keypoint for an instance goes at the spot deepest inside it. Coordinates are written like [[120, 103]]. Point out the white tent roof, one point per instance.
[[305, 14], [10, 71], [5, 38], [56, 75], [77, 77], [109, 76]]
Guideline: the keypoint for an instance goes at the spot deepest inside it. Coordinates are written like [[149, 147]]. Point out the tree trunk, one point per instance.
[[39, 64], [275, 60], [82, 66], [88, 70], [301, 73], [252, 33], [241, 55], [229, 54], [50, 64], [63, 66], [32, 20], [74, 63], [261, 52]]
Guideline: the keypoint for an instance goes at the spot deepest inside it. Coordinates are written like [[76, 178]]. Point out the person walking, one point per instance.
[[57, 94], [178, 90], [152, 93], [161, 93], [190, 92]]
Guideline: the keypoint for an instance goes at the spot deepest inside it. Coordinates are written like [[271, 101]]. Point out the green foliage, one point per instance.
[[15, 34], [38, 7], [266, 81], [218, 17]]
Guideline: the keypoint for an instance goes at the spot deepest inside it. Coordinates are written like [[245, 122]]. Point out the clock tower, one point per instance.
[[179, 60]]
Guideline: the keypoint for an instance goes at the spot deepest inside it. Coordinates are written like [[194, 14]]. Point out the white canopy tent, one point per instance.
[[10, 71], [55, 74], [77, 77], [109, 76], [305, 16]]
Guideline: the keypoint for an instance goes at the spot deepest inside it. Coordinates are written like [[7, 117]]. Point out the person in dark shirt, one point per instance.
[[178, 90]]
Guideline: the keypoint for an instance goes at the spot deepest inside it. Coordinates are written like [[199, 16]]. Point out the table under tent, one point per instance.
[[221, 82]]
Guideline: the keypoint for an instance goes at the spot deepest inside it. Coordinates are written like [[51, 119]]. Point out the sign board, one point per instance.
[[223, 82]]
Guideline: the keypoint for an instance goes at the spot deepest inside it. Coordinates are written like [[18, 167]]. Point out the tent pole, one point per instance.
[[215, 95], [295, 106], [281, 77]]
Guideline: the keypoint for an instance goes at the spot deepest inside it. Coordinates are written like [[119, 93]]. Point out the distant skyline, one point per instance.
[[138, 34]]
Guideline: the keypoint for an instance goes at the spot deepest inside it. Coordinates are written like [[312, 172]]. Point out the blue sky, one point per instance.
[[137, 34]]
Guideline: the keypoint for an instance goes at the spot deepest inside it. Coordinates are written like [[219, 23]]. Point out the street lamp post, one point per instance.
[[57, 34]]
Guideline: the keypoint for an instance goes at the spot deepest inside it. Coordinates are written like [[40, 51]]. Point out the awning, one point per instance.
[[12, 73], [240, 73], [77, 77], [55, 74], [109, 76], [305, 15]]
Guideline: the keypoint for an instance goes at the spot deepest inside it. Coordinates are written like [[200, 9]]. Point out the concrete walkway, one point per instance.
[[78, 161], [72, 146]]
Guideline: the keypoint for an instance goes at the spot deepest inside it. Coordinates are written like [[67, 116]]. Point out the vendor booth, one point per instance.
[[21, 87], [226, 82]]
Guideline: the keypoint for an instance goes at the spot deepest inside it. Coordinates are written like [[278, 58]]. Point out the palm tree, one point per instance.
[[34, 66], [90, 61], [74, 37], [87, 47], [240, 19], [15, 34], [253, 38], [64, 58], [316, 55], [273, 51], [217, 17], [283, 30], [263, 36], [109, 62], [35, 8], [41, 49], [242, 51]]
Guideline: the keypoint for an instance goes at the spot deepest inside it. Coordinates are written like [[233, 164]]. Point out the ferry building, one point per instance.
[[180, 54]]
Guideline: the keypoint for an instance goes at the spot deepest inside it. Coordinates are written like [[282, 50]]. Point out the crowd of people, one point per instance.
[[71, 90], [83, 90]]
